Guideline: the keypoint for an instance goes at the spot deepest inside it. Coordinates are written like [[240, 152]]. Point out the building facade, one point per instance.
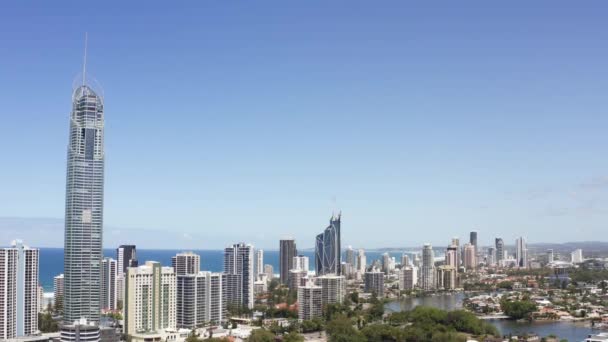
[[200, 300], [186, 263], [470, 257], [287, 251], [374, 283], [109, 288], [310, 301], [408, 278], [500, 251], [150, 298], [259, 262], [521, 252], [127, 257], [333, 288], [84, 207], [238, 268], [328, 255], [427, 272]]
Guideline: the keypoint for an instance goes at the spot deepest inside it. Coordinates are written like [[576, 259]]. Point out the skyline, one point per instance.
[[266, 126]]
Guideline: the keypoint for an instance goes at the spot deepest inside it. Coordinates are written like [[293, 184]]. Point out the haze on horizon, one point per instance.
[[230, 122]]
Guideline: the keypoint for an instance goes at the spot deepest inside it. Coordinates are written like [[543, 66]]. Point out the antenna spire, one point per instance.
[[84, 64]]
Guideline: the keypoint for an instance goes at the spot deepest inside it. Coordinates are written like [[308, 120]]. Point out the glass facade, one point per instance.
[[328, 255], [84, 208]]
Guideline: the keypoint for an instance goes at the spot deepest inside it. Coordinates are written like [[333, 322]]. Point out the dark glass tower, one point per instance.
[[84, 207], [287, 252], [328, 256]]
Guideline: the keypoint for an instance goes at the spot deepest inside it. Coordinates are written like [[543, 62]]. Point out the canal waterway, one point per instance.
[[573, 332]]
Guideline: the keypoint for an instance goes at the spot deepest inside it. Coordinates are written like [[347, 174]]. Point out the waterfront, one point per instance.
[[453, 301]]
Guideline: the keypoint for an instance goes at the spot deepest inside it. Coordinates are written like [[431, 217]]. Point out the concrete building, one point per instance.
[[521, 253], [333, 288], [269, 271], [295, 278], [351, 257], [310, 301], [408, 278], [427, 273], [287, 252], [238, 267], [451, 256], [150, 298], [58, 291], [446, 277], [80, 331], [500, 251], [577, 256], [109, 290], [199, 300], [361, 261], [84, 207], [491, 258], [301, 263], [470, 257], [374, 283], [18, 290], [456, 242], [186, 263], [550, 256], [259, 262]]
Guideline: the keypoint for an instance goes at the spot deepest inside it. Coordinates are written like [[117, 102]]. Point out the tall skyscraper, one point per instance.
[[186, 263], [451, 256], [470, 257], [408, 278], [427, 281], [84, 207], [287, 252], [456, 242], [473, 240], [238, 267], [150, 298], [58, 291], [109, 291], [259, 262], [351, 257], [361, 261], [328, 255], [199, 299], [550, 256], [521, 252], [333, 288], [500, 251], [577, 256], [127, 257], [18, 291]]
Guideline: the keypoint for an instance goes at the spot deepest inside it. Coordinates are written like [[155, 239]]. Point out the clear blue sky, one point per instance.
[[230, 121]]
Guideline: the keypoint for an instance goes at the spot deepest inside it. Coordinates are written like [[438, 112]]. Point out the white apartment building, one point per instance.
[[408, 278], [333, 288], [150, 298], [310, 301]]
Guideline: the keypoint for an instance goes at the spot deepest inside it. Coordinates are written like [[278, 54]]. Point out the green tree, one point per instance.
[[341, 329], [293, 337], [261, 335], [517, 309], [46, 324]]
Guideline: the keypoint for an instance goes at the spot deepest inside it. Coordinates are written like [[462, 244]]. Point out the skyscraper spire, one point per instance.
[[84, 64]]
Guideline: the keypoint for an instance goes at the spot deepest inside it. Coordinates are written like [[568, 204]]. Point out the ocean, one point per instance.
[[51, 260]]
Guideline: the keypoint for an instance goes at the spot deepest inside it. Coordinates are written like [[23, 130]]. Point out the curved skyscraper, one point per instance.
[[328, 255], [84, 208]]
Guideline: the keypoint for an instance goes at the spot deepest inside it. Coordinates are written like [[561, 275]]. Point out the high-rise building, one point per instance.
[[58, 291], [550, 256], [287, 252], [200, 299], [310, 301], [259, 262], [521, 252], [405, 260], [84, 207], [186, 263], [18, 291], [361, 261], [500, 251], [333, 288], [386, 259], [473, 240], [109, 291], [408, 278], [470, 257], [374, 283], [456, 242], [427, 273], [445, 277], [238, 267], [269, 271], [295, 278], [127, 257], [301, 263], [351, 257], [577, 256], [451, 256], [80, 331], [491, 259], [328, 255], [150, 298]]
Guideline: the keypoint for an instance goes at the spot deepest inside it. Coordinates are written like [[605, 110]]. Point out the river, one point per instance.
[[573, 332]]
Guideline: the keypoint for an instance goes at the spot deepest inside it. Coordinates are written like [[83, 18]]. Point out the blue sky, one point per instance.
[[250, 121]]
